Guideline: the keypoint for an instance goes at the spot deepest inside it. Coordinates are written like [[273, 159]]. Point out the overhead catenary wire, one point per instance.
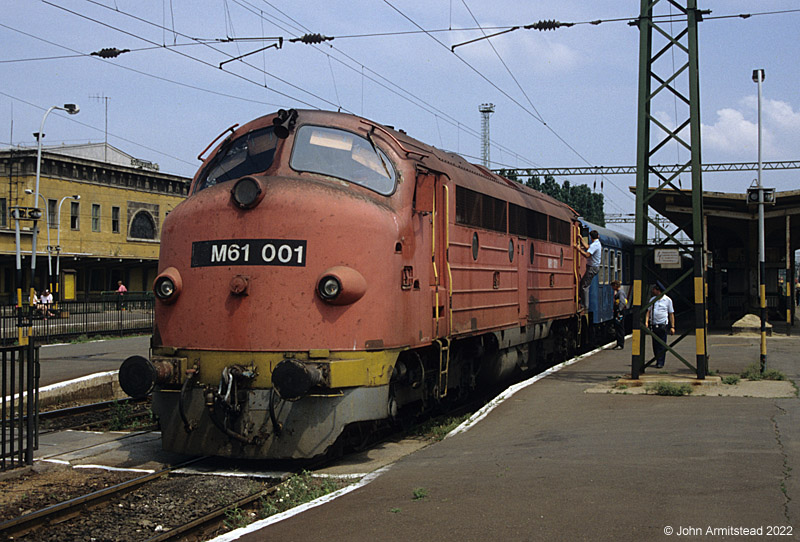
[[201, 61], [440, 116], [429, 108]]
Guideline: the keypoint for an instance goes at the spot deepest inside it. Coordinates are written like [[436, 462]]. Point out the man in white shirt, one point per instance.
[[593, 254], [661, 320]]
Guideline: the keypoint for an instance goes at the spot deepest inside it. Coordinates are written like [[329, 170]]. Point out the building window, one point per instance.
[[95, 217], [3, 213], [51, 213], [115, 219], [74, 215], [143, 226]]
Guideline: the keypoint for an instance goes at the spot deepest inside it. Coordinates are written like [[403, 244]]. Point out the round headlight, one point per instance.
[[168, 285], [246, 192], [329, 287], [165, 288]]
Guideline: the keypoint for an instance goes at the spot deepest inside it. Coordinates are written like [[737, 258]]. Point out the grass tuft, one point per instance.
[[669, 389], [753, 372]]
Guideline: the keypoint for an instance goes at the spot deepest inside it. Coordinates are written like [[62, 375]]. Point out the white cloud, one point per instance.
[[777, 113], [732, 134]]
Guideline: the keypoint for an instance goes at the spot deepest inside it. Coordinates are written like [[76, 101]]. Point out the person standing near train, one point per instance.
[[661, 320], [593, 253], [620, 304]]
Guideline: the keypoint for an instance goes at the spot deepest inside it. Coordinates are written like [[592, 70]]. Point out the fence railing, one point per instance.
[[19, 405], [70, 319]]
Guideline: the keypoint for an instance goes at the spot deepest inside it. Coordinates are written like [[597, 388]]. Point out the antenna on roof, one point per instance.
[[103, 97]]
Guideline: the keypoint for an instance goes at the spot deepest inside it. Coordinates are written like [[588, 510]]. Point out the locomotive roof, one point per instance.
[[478, 178], [483, 180]]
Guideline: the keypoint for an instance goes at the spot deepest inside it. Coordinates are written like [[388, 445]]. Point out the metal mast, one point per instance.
[[668, 72], [486, 110]]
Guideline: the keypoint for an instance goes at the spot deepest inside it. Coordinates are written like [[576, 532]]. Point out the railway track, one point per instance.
[[60, 512], [97, 415]]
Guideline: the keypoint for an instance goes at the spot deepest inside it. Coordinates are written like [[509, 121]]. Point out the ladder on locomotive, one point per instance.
[[443, 354]]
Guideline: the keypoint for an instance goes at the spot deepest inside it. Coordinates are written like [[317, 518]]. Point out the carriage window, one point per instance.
[[343, 155], [604, 267], [251, 153], [618, 270]]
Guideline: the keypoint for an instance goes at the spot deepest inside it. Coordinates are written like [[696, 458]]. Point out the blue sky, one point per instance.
[[563, 98]]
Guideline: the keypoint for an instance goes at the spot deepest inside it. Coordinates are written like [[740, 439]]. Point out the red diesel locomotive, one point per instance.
[[326, 270]]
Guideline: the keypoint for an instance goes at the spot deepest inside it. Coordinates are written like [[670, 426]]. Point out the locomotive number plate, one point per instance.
[[282, 252]]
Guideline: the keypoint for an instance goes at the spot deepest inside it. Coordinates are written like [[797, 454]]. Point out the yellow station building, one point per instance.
[[102, 209]]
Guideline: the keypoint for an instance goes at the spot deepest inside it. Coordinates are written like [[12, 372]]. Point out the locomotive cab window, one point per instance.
[[246, 155], [343, 155]]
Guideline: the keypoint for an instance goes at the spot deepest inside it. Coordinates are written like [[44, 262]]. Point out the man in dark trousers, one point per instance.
[[661, 319], [593, 254], [620, 304]]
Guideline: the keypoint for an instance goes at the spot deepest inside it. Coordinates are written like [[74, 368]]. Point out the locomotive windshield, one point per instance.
[[251, 153], [343, 155]]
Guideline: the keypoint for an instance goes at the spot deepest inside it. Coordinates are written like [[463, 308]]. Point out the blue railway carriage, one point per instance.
[[616, 264]]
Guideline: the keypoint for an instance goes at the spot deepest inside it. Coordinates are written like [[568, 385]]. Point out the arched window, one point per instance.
[[143, 226]]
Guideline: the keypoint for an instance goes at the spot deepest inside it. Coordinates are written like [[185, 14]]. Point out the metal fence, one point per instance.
[[71, 319], [19, 405]]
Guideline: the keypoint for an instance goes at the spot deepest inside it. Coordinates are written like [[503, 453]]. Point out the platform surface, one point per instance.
[[554, 462]]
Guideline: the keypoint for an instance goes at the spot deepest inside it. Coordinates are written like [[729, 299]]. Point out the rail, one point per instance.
[[19, 405], [72, 319]]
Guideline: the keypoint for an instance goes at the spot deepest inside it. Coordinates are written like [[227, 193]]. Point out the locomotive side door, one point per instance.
[[433, 198], [522, 257]]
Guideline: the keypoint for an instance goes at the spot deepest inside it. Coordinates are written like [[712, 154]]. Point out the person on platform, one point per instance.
[[593, 254], [661, 320], [121, 291], [46, 302], [620, 304]]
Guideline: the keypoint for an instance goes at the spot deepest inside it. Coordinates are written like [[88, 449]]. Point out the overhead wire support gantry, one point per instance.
[[631, 170], [681, 41]]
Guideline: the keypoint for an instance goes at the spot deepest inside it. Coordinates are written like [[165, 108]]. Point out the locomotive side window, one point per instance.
[[559, 231], [343, 155], [480, 210], [251, 153], [527, 223]]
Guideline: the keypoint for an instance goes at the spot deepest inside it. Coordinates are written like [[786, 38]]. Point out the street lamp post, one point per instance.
[[758, 78], [76, 197], [49, 248], [72, 109]]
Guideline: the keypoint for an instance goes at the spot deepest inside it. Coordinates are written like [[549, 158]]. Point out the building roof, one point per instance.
[[99, 152]]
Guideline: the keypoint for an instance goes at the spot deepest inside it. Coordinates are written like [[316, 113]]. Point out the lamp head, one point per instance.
[[28, 191], [76, 196], [72, 109], [758, 76]]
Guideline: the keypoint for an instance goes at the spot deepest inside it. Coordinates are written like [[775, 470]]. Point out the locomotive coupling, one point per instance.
[[138, 375], [293, 379]]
